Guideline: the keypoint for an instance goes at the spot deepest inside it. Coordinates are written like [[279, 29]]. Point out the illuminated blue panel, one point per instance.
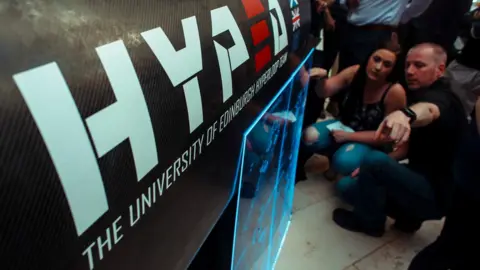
[[267, 174]]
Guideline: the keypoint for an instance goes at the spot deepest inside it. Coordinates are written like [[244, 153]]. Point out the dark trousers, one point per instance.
[[359, 43], [356, 46], [381, 180], [313, 109], [333, 41], [456, 247]]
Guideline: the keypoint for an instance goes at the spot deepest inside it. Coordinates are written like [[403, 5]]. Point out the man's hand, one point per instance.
[[318, 73], [397, 126], [321, 5], [340, 136], [355, 173]]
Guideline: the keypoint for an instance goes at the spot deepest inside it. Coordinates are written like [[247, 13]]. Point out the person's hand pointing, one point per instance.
[[396, 126], [318, 73]]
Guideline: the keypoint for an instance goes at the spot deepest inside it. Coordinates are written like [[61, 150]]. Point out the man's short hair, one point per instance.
[[438, 51]]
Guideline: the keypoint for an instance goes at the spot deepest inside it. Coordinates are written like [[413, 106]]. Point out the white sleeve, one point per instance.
[[415, 9]]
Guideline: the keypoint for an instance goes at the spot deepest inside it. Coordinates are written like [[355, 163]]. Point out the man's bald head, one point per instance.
[[425, 64], [433, 50]]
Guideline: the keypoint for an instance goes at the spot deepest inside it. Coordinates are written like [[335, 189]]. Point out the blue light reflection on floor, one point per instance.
[[291, 174]]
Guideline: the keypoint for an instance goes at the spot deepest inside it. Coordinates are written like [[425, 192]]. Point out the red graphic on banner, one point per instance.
[[262, 58], [259, 32], [253, 7]]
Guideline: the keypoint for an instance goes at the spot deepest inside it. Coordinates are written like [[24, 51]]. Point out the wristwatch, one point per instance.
[[410, 114]]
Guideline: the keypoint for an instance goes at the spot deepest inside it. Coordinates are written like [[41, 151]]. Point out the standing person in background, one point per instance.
[[335, 20], [465, 69], [317, 11], [371, 22], [455, 248], [314, 105], [439, 24]]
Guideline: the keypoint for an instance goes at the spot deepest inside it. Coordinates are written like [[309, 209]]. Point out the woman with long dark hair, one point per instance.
[[371, 94]]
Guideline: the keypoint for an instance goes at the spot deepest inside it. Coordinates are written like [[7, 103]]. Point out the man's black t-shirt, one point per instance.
[[432, 148]]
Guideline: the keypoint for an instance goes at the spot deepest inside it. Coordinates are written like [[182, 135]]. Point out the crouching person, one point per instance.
[[371, 94], [432, 124]]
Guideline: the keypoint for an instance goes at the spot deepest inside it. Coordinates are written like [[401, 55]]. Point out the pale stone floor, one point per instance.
[[314, 242]]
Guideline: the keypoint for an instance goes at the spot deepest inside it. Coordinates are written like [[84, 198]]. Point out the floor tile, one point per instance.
[[311, 191], [301, 200], [315, 242], [317, 187], [398, 254]]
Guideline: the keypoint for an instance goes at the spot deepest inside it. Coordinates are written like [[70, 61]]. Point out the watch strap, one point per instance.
[[410, 114]]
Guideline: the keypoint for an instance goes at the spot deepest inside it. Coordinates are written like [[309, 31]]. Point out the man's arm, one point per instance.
[[329, 21], [397, 124], [415, 9], [426, 114]]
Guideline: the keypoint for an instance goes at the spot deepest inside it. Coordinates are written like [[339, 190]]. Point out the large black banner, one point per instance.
[[121, 122]]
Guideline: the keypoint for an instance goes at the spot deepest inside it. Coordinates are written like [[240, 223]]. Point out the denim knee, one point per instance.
[[349, 157], [317, 136], [374, 160], [345, 164], [346, 188]]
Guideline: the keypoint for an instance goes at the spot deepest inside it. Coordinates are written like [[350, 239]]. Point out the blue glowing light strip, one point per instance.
[[282, 242], [247, 131]]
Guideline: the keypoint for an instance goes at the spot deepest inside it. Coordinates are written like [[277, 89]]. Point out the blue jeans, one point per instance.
[[381, 180], [346, 157]]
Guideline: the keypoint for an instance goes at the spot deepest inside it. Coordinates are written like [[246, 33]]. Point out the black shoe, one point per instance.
[[347, 220], [407, 226]]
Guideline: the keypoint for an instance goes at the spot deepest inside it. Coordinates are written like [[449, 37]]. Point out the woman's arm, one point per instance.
[[329, 87], [395, 100]]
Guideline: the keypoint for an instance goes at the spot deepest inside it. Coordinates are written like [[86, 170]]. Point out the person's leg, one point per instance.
[[315, 137], [451, 249], [380, 176], [330, 48], [313, 106], [349, 157], [345, 160], [345, 188]]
